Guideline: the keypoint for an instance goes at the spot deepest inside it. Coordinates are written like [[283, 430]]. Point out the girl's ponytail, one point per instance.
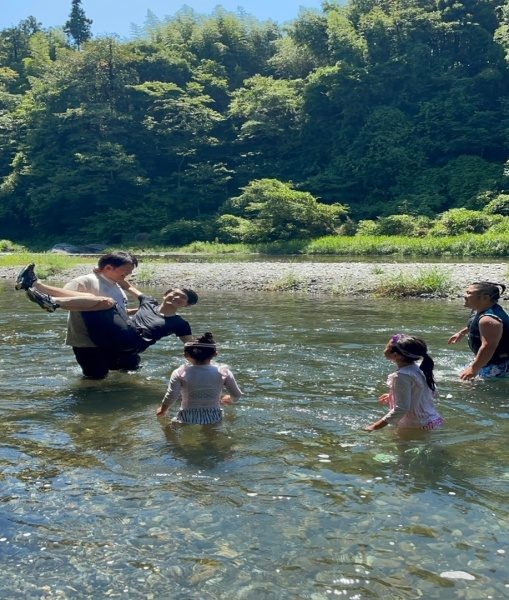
[[426, 367]]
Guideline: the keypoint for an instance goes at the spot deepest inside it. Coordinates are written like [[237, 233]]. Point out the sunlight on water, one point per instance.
[[288, 498]]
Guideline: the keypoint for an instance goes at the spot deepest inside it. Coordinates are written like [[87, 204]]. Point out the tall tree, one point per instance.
[[78, 26]]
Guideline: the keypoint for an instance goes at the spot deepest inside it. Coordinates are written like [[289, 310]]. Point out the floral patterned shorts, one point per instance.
[[435, 424], [499, 370]]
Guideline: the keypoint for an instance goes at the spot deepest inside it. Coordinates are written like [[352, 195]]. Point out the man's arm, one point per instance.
[[186, 338], [458, 336], [491, 333], [128, 287]]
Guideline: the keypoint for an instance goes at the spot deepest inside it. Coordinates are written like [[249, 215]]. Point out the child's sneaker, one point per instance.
[[26, 277], [43, 300]]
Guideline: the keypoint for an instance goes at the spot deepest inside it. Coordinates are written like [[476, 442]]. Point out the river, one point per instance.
[[288, 499]]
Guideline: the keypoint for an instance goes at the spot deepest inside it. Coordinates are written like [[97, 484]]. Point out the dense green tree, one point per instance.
[[78, 27], [393, 109], [279, 212], [291, 61], [309, 31], [181, 121], [268, 116], [70, 162], [14, 48]]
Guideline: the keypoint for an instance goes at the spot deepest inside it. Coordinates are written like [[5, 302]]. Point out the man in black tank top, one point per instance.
[[487, 330]]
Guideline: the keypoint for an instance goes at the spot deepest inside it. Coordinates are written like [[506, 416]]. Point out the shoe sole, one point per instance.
[[21, 276]]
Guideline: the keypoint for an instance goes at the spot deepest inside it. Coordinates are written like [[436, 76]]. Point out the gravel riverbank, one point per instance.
[[339, 278]]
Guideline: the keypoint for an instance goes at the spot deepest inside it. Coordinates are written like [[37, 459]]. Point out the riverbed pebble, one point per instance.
[[339, 278], [457, 575]]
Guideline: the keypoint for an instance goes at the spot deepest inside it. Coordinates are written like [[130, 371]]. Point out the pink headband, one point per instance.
[[394, 341]]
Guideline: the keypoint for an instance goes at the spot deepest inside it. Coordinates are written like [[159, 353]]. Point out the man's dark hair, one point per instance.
[[192, 296], [117, 259], [493, 290]]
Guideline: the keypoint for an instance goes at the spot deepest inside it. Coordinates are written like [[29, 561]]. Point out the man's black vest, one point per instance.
[[474, 336]]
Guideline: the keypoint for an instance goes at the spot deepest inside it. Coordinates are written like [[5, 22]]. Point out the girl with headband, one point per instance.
[[199, 384], [411, 387]]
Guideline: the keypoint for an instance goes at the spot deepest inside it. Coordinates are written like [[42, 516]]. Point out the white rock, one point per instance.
[[457, 575]]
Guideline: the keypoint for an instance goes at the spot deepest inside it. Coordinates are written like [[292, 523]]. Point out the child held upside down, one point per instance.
[[107, 327], [198, 384]]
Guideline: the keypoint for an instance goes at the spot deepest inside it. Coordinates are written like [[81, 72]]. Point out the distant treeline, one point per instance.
[[226, 128]]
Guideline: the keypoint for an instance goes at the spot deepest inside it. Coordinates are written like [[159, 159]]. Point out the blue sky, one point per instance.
[[116, 16]]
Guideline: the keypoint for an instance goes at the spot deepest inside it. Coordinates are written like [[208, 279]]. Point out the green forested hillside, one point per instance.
[[223, 127]]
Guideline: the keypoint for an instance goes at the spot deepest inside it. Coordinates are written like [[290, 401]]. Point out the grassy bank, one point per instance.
[[479, 245], [47, 263], [487, 245]]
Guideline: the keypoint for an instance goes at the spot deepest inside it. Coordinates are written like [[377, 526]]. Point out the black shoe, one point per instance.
[[43, 300], [26, 277]]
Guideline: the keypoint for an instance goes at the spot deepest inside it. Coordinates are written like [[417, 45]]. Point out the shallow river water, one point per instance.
[[288, 499]]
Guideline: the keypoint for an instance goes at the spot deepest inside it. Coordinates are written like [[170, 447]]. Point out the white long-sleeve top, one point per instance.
[[200, 386], [410, 399]]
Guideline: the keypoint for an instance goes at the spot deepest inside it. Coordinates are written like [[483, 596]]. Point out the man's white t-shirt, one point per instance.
[[99, 285]]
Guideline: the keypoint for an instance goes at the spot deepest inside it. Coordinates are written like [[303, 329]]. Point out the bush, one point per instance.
[[8, 246], [347, 228], [499, 224], [367, 227], [461, 220], [404, 225], [215, 249], [409, 225], [185, 231], [231, 228], [433, 282], [498, 206], [287, 283]]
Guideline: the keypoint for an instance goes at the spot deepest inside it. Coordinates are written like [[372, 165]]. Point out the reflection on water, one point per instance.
[[287, 498]]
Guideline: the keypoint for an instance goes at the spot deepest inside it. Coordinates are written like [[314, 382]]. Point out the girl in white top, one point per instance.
[[199, 384], [411, 388]]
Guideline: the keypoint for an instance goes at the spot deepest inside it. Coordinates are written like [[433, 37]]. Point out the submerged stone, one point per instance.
[[457, 575]]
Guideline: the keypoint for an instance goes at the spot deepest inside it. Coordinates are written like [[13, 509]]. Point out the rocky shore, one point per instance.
[[339, 278]]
